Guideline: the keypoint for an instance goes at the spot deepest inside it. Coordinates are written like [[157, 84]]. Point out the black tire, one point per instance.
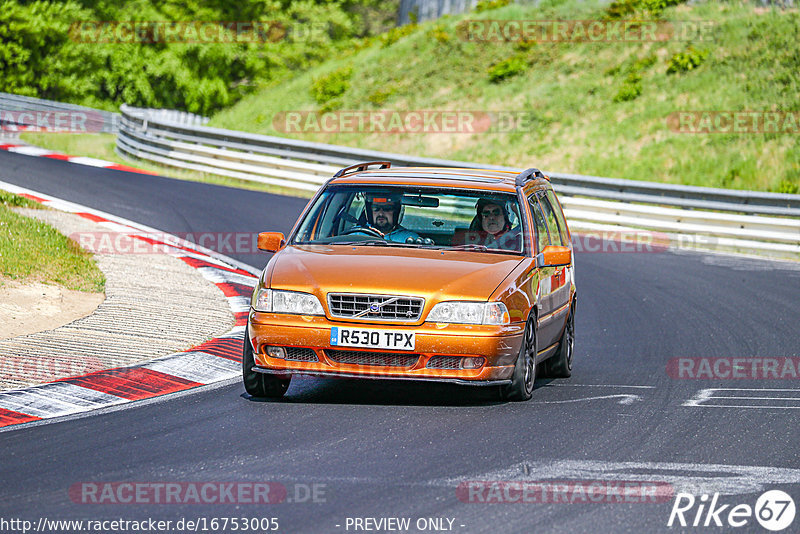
[[559, 365], [522, 381], [260, 384]]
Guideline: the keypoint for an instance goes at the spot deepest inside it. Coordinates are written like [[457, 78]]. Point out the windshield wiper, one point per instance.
[[472, 246], [364, 242]]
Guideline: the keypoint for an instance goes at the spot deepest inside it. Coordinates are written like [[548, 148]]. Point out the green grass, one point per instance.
[[101, 146], [17, 201], [594, 108], [33, 250]]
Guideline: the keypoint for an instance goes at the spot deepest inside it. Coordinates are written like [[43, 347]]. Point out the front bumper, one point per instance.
[[499, 345]]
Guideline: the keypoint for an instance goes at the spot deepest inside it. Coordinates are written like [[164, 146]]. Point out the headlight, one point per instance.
[[271, 300], [470, 313]]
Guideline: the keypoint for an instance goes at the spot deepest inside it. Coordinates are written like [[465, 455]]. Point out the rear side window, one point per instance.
[[542, 237], [562, 224], [550, 219]]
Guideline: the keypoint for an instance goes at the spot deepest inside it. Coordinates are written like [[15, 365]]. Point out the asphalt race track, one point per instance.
[[393, 450]]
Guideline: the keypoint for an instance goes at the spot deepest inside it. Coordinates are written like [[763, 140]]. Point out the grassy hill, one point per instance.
[[596, 108]]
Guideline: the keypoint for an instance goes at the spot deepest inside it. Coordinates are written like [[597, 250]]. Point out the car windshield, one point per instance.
[[442, 218]]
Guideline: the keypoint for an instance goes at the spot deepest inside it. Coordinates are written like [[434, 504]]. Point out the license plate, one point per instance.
[[373, 339]]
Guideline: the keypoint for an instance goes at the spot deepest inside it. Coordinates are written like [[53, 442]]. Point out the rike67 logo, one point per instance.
[[774, 510]]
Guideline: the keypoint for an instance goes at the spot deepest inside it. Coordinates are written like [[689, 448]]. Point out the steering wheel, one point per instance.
[[369, 230]]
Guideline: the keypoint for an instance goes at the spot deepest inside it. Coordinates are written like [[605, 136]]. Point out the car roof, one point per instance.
[[493, 180]]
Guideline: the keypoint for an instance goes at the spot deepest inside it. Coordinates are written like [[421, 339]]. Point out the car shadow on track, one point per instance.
[[308, 390]]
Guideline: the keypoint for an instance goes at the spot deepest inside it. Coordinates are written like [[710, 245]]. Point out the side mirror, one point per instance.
[[554, 256], [271, 241]]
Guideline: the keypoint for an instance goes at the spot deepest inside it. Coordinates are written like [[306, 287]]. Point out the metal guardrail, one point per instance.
[[698, 217], [96, 120], [139, 128]]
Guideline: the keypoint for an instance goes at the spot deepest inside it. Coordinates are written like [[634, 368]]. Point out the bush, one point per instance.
[[524, 45], [331, 86], [37, 58], [486, 5], [644, 63], [395, 34], [786, 186], [440, 34], [381, 95], [631, 88], [507, 68], [656, 7], [687, 60], [791, 182], [42, 55], [620, 9]]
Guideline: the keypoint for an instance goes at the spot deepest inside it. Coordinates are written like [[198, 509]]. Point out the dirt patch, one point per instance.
[[29, 307]]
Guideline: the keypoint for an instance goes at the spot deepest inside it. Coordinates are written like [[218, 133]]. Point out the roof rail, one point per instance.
[[358, 167], [527, 175]]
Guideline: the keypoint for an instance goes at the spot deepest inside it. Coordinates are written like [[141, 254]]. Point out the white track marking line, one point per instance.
[[704, 398], [92, 162], [760, 398], [31, 150], [623, 399], [753, 406], [596, 386], [218, 277], [795, 390]]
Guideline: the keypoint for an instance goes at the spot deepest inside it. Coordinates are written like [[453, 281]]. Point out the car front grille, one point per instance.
[[444, 362], [384, 359], [375, 307], [300, 354]]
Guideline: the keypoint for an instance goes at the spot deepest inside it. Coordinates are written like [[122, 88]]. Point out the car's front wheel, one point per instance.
[[260, 384], [521, 387]]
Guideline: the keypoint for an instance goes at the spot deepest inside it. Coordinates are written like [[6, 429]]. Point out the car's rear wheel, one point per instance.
[[560, 364], [260, 384], [521, 387]]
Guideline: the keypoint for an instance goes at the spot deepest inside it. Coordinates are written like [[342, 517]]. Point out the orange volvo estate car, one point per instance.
[[439, 274]]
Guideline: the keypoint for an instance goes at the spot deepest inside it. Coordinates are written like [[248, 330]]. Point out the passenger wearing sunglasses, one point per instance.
[[491, 226]]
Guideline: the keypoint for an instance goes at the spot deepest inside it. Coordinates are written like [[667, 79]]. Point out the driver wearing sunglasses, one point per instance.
[[384, 214]]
